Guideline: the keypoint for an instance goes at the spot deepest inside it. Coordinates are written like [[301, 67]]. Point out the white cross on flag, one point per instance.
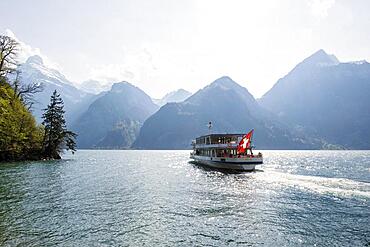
[[245, 142]]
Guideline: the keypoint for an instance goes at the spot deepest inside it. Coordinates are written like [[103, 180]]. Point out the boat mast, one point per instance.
[[209, 127]]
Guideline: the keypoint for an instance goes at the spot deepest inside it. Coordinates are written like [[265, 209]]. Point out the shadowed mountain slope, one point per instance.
[[114, 119], [230, 107], [326, 98]]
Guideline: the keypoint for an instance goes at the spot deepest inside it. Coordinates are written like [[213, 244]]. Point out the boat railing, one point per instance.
[[232, 156], [240, 156], [217, 145]]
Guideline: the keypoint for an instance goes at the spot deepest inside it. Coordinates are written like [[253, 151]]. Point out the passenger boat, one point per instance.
[[226, 151]]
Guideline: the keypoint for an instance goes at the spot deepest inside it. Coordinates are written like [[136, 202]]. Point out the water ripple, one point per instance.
[[135, 198]]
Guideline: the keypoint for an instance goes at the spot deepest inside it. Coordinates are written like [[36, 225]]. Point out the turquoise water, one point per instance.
[[157, 198]]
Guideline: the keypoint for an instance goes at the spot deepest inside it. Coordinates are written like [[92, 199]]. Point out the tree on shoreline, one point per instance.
[[56, 135], [20, 136]]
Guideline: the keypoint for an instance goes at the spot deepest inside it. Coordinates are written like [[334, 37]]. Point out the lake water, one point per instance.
[[157, 198]]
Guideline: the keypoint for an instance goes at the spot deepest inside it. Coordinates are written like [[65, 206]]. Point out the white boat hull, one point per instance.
[[240, 164]]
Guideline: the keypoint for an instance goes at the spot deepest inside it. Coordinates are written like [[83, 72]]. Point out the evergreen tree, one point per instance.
[[56, 136]]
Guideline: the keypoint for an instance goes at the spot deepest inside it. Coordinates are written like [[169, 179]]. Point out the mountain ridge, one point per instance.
[[229, 106], [330, 101]]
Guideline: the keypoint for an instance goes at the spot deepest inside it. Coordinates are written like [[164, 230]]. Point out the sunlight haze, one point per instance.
[[164, 45]]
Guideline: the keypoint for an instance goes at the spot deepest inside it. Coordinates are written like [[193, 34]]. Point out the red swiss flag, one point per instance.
[[245, 142]]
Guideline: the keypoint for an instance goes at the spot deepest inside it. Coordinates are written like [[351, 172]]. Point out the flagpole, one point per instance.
[[252, 136], [251, 141]]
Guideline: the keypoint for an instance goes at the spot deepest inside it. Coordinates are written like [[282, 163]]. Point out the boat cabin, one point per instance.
[[217, 145]]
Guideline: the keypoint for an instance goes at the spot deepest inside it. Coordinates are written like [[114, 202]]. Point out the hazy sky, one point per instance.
[[162, 45]]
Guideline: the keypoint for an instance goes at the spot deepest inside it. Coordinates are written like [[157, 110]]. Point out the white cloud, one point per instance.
[[135, 66], [170, 45], [110, 72], [27, 51], [320, 8]]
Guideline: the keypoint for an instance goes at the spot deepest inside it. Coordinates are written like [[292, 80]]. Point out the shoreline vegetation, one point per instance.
[[21, 138]]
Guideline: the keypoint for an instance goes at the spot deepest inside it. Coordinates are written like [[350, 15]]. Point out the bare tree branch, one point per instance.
[[8, 55], [25, 92], [9, 49]]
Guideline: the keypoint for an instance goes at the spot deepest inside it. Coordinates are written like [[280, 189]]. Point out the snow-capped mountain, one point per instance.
[[35, 71], [174, 96], [34, 68], [94, 87]]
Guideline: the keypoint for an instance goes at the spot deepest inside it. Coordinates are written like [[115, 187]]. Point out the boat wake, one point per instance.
[[323, 185]]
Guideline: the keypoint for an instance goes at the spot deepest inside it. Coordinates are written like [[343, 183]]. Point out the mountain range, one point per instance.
[[103, 117], [231, 109], [321, 103]]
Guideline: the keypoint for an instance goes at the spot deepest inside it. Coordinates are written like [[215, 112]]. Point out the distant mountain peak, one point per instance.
[[320, 52], [360, 62], [178, 95], [176, 92], [119, 86], [181, 90], [121, 83], [94, 86], [225, 82], [35, 59], [223, 89], [320, 57]]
